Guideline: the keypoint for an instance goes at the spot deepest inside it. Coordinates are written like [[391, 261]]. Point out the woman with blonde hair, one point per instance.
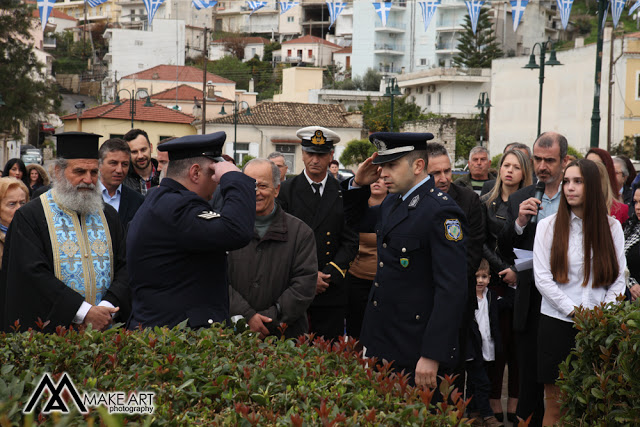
[[578, 260], [13, 195], [37, 177], [514, 173]]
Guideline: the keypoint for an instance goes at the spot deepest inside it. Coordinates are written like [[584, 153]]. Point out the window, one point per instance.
[[428, 99], [439, 98], [141, 66], [299, 53], [289, 153], [637, 85], [132, 13], [253, 52], [289, 18], [288, 52], [242, 149], [116, 135], [423, 61], [138, 42], [310, 53]]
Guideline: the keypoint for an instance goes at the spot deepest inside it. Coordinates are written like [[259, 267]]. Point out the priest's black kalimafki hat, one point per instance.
[[77, 145]]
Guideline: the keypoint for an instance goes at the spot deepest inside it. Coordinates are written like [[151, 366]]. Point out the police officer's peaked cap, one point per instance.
[[77, 145], [190, 146], [316, 139], [393, 145]]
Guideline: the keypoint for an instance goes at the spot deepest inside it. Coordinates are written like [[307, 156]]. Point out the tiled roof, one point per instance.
[[56, 13], [168, 73], [185, 93], [291, 114], [344, 50], [157, 113], [248, 40], [308, 39]]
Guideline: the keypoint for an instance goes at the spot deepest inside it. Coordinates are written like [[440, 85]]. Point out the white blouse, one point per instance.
[[559, 299]]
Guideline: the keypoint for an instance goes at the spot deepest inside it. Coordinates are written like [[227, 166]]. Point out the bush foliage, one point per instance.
[[217, 377], [600, 380]]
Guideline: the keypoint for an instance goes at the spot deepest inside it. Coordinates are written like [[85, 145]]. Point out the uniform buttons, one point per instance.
[[328, 253], [417, 317], [384, 245], [376, 285], [86, 255], [404, 250], [210, 321], [328, 243], [328, 233], [381, 264], [375, 303]]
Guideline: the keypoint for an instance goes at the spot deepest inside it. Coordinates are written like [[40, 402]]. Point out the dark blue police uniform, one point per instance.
[[176, 247], [419, 293]]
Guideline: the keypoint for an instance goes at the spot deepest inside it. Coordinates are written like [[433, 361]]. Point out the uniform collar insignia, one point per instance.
[[414, 202], [209, 215]]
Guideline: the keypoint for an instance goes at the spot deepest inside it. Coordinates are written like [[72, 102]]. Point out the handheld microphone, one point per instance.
[[540, 186]]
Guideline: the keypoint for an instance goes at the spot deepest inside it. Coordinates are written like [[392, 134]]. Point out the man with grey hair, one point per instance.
[[273, 278], [622, 173], [278, 159], [479, 164], [64, 257]]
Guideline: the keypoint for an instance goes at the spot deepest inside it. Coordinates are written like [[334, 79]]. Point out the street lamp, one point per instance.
[[595, 114], [132, 101], [481, 105], [392, 91], [236, 108], [553, 61]]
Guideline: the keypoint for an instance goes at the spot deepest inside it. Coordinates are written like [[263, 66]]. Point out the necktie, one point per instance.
[[316, 188]]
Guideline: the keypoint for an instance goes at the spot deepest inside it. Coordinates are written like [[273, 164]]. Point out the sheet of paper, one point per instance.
[[524, 260]]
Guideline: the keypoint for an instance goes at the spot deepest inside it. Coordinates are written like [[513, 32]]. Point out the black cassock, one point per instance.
[[29, 288]]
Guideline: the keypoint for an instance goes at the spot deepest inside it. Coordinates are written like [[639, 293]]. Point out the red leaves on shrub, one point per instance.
[[426, 394], [242, 409], [61, 331], [171, 358], [371, 416], [296, 420], [41, 325], [113, 358], [152, 342]]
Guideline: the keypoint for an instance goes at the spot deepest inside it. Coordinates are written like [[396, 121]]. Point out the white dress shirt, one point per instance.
[[484, 324], [322, 183], [559, 299]]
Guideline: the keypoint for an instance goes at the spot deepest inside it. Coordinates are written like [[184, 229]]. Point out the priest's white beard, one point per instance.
[[70, 197]]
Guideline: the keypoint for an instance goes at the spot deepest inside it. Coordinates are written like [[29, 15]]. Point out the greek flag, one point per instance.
[[45, 7], [474, 7], [94, 3], [285, 6], [152, 7], [616, 11], [606, 10], [255, 5], [428, 10], [334, 11], [383, 9], [634, 7], [565, 11], [517, 10], [203, 4]]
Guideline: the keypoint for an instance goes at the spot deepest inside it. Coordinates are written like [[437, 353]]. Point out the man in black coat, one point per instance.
[[549, 160], [176, 245], [115, 157], [316, 199], [416, 303]]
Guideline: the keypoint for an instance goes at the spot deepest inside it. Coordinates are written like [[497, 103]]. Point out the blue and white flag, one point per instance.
[[616, 10], [517, 10], [634, 7], [383, 9], [285, 6], [334, 10], [152, 7], [474, 7], [203, 4], [45, 7], [428, 10], [94, 3], [565, 10], [255, 5]]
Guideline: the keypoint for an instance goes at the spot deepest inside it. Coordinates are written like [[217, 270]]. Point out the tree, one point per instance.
[[235, 46], [232, 68], [371, 80], [268, 51], [477, 50], [357, 151], [24, 87], [376, 117]]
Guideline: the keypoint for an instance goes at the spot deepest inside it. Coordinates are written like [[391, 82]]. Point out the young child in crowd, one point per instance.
[[487, 339]]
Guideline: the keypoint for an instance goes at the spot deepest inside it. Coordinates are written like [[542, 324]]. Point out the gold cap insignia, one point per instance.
[[318, 138]]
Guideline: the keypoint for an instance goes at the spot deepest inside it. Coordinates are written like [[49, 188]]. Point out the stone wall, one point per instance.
[[443, 130]]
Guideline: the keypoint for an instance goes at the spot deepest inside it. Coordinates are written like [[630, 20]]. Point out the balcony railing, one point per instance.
[[389, 69], [389, 47], [392, 25], [49, 43]]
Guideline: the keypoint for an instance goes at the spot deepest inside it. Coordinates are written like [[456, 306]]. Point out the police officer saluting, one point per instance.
[[420, 289], [176, 245]]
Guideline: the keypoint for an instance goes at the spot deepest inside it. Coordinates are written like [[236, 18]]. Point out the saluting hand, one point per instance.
[[321, 285], [427, 372], [220, 168], [367, 173], [99, 317]]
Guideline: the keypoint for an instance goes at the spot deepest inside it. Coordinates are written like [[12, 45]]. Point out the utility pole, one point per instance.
[[204, 83], [595, 116]]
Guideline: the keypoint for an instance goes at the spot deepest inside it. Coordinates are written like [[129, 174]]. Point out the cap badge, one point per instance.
[[318, 138], [382, 146], [209, 215]]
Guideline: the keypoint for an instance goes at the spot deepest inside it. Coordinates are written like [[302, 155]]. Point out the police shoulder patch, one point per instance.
[[208, 215], [452, 230]]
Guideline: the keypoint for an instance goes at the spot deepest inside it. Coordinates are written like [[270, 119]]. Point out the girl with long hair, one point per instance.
[[15, 168], [578, 260], [514, 173]]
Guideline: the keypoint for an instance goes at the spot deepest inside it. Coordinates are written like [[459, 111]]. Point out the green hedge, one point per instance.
[[600, 380], [216, 377]]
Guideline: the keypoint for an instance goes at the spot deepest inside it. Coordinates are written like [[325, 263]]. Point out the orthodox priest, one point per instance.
[[64, 258]]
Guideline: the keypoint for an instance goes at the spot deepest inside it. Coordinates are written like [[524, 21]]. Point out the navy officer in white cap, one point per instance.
[[420, 289], [176, 245], [316, 199]]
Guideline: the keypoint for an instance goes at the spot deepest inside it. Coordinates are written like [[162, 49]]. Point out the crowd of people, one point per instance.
[[420, 268]]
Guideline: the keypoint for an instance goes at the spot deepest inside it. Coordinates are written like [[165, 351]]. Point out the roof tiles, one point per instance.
[[168, 73], [185, 93], [157, 113]]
